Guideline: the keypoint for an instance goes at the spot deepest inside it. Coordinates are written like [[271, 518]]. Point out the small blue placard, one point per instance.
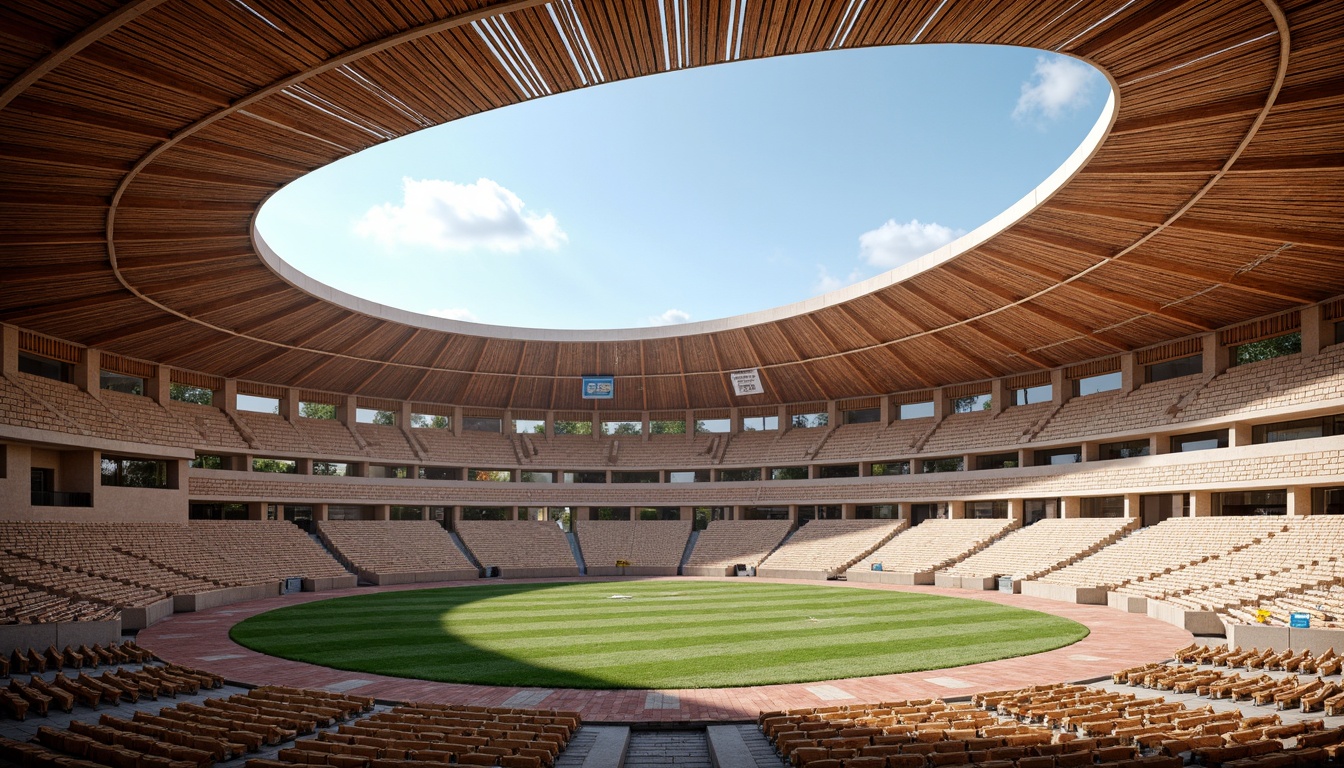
[[877, 566], [599, 387], [1298, 620]]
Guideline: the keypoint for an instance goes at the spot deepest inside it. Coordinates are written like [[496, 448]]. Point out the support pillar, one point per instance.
[[1216, 357], [1130, 379], [956, 510], [1299, 501], [9, 351], [1201, 503], [88, 371], [1070, 507], [1133, 506]]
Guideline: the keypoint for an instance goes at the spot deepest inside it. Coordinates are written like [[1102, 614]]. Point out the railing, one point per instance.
[[61, 499]]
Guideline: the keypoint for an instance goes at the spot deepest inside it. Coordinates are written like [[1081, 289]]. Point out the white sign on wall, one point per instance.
[[747, 382]]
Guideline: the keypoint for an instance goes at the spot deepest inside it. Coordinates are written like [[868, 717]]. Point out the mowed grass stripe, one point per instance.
[[693, 634]]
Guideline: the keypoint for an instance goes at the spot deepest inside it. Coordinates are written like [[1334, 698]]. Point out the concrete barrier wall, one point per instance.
[[1195, 622], [540, 573], [1317, 641], [1260, 636], [139, 618], [330, 582], [40, 636], [788, 573], [1127, 603], [632, 570], [924, 578], [945, 581], [227, 596], [707, 570], [1065, 593]]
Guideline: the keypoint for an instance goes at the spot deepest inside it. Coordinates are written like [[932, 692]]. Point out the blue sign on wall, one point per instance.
[[1298, 620], [599, 387]]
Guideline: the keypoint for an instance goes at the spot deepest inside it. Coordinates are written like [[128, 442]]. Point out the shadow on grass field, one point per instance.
[[650, 634]]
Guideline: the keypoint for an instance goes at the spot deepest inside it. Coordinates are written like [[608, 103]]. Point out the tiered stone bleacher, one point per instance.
[[483, 450], [31, 605], [823, 549], [914, 554], [851, 441], [329, 437], [1324, 604], [386, 442], [396, 551], [985, 428], [1292, 380], [583, 450], [1305, 554], [762, 449], [86, 414], [650, 547], [267, 551], [1106, 413], [519, 548], [77, 585], [726, 544], [1195, 669], [155, 422], [1036, 550], [276, 434], [214, 427]]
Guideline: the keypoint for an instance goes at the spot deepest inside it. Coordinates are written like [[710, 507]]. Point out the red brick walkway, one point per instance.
[[1117, 640]]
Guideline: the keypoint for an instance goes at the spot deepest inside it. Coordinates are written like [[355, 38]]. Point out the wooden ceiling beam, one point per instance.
[[258, 362], [46, 156], [1330, 161], [48, 272], [952, 319], [434, 362], [1082, 247], [280, 313], [121, 332], [158, 261], [877, 342], [1315, 238], [1241, 105], [198, 176], [1238, 282], [64, 305], [88, 118], [147, 72]]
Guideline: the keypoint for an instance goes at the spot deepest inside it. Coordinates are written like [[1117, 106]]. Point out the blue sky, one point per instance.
[[690, 195]]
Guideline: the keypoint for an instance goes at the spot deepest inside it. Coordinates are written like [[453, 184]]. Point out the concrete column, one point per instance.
[[734, 421], [226, 398], [1016, 508], [1070, 507], [1178, 505], [1201, 503], [916, 466], [1239, 435], [319, 512], [1130, 378], [289, 404], [381, 511], [1091, 451], [782, 416], [884, 411], [1315, 331], [849, 511], [1299, 501], [347, 411], [88, 370], [506, 423], [1159, 444], [940, 405], [865, 469], [999, 394], [457, 421], [793, 513], [303, 466], [550, 424], [956, 510], [644, 427], [903, 510], [159, 386], [967, 462], [833, 413], [1023, 457], [1216, 357], [256, 510], [1061, 389], [1133, 506], [9, 351], [404, 415]]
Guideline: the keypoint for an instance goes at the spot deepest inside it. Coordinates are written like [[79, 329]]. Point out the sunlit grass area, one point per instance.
[[650, 634]]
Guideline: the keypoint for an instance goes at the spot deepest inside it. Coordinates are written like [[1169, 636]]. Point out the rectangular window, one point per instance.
[[1036, 510], [891, 468], [348, 512], [280, 466], [1300, 429], [1174, 369], [760, 424], [117, 382], [1032, 395], [810, 420], [667, 427], [949, 464], [563, 427], [1199, 441], [45, 367], [1071, 455], [972, 403], [538, 477], [987, 510], [863, 416], [585, 477], [1266, 349], [483, 424], [207, 461], [440, 473], [134, 473], [331, 468], [634, 477], [824, 512], [217, 512], [922, 410], [997, 461], [1327, 501], [876, 512], [1091, 385], [256, 404], [389, 471], [490, 475], [529, 426], [712, 426], [609, 513], [1251, 503], [659, 513], [487, 513], [688, 476], [371, 416], [832, 471], [188, 394], [431, 421], [323, 411], [406, 513], [1339, 332], [1102, 506], [765, 513], [739, 475], [788, 473], [1126, 450], [622, 427]]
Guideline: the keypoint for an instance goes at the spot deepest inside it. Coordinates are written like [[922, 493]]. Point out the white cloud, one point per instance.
[[1058, 84], [455, 313], [670, 317], [456, 217], [894, 244]]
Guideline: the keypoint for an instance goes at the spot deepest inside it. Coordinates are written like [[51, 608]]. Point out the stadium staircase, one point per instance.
[[686, 553], [462, 547], [578, 553]]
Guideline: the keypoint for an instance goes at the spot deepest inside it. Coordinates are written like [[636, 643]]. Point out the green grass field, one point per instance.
[[668, 634]]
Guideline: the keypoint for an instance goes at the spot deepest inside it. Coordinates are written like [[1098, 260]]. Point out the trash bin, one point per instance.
[[1006, 584]]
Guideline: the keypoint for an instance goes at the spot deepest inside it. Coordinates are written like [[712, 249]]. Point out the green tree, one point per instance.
[[677, 427], [427, 421], [573, 427], [188, 394], [626, 428], [1267, 349], [317, 411], [386, 418]]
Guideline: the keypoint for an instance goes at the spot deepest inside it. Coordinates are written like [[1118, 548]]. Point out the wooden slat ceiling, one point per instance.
[[138, 140]]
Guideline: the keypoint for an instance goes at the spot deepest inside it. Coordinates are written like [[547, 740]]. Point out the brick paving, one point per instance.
[[1116, 640]]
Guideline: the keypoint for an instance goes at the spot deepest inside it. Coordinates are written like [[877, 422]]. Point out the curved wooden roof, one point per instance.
[[137, 142]]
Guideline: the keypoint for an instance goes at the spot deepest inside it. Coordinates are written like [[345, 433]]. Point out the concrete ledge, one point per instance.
[[225, 596], [945, 581], [418, 577], [727, 749], [1194, 622], [707, 570], [788, 573], [330, 582], [1127, 603], [980, 583], [891, 577], [1260, 636], [24, 636], [608, 751], [139, 618], [1064, 593], [1317, 641], [506, 572], [632, 570]]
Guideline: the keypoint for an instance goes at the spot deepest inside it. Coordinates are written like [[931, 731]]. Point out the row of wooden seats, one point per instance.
[[111, 687], [652, 543], [517, 543], [393, 546], [1033, 551], [1287, 660], [74, 584], [32, 660], [31, 605], [439, 735], [935, 544], [1324, 603], [832, 546], [726, 543]]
